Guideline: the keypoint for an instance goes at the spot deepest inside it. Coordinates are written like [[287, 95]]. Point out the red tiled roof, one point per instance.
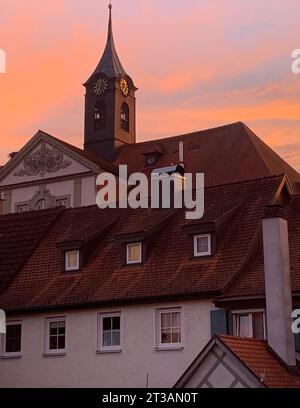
[[226, 154], [148, 223], [260, 359], [251, 281], [19, 236], [168, 272]]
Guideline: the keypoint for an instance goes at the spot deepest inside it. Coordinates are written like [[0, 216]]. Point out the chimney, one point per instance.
[[278, 284]]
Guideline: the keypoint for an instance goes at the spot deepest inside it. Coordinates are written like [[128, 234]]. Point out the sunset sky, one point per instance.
[[197, 64]]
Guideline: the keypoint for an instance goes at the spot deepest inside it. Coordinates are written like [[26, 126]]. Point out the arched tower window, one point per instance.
[[100, 115], [125, 116]]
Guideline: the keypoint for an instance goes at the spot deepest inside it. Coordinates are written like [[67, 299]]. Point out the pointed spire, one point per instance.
[[110, 63]]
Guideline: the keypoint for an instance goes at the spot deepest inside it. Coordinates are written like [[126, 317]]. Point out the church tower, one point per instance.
[[109, 104]]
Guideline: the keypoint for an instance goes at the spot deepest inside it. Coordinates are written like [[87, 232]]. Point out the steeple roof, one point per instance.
[[110, 63]]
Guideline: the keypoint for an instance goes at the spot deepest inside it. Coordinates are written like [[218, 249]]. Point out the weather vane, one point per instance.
[[110, 5]]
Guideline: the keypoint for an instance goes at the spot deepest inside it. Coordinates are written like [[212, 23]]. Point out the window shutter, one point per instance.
[[218, 322], [297, 336]]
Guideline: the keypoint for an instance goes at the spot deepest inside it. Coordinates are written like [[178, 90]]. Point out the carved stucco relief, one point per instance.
[[45, 160]]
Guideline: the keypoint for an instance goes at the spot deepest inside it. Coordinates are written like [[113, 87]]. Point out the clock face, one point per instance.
[[124, 87], [101, 86]]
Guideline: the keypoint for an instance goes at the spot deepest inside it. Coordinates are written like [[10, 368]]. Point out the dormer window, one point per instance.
[[72, 260], [202, 245], [250, 323], [134, 253]]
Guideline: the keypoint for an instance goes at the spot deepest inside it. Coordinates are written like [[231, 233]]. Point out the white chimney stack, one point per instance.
[[278, 284]]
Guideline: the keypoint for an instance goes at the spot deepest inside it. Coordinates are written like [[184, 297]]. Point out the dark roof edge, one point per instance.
[[115, 302]]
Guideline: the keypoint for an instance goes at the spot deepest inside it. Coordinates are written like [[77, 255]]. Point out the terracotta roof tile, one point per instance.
[[168, 271], [19, 236], [251, 281], [260, 359]]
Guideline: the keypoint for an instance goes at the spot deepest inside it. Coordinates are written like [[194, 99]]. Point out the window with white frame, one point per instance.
[[55, 333], [72, 260], [249, 324], [202, 245], [109, 332], [169, 328], [13, 339], [134, 253]]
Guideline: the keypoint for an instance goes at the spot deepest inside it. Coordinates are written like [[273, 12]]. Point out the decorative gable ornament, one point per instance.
[[42, 200], [43, 161]]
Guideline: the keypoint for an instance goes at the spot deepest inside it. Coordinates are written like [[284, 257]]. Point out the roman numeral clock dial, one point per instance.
[[101, 86]]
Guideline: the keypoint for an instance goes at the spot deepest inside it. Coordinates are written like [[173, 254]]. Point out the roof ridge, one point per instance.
[[209, 130], [87, 155], [255, 140]]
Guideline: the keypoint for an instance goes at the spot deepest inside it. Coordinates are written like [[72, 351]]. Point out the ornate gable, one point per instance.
[[42, 158], [43, 161]]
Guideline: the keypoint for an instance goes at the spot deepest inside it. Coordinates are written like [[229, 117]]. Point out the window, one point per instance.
[[40, 205], [22, 208], [169, 328], [55, 335], [202, 245], [13, 339], [109, 337], [249, 324], [63, 202], [100, 115], [134, 253], [125, 117], [72, 260]]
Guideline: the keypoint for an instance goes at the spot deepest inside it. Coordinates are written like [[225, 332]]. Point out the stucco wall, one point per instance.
[[88, 192], [83, 367], [85, 189]]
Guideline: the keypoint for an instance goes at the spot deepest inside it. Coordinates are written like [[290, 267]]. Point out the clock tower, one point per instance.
[[109, 104]]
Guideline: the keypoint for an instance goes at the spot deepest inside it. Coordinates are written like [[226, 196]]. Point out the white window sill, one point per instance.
[[58, 354], [169, 348], [109, 351], [11, 356]]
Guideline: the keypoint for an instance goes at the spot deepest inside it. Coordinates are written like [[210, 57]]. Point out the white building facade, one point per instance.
[[140, 361]]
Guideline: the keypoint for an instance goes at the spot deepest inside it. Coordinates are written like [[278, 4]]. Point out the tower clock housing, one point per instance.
[[110, 105]]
